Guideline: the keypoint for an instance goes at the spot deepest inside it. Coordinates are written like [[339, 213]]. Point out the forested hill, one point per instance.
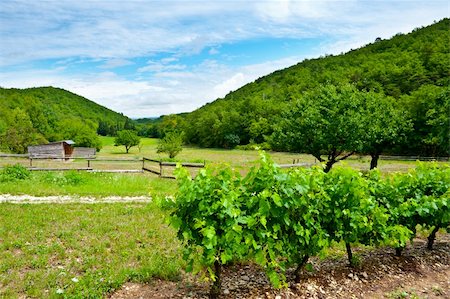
[[410, 70], [47, 114]]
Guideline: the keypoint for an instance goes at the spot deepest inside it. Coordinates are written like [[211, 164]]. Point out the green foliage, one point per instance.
[[20, 133], [385, 125], [35, 115], [327, 121], [171, 143], [279, 219], [407, 72], [352, 215], [421, 196], [127, 138], [207, 215], [285, 220], [71, 178], [14, 173], [231, 140]]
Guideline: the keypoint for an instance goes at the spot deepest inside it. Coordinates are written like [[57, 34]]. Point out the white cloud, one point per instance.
[[116, 62], [159, 67], [114, 34]]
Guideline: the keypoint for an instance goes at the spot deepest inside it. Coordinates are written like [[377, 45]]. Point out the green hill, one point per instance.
[[412, 70], [35, 115]]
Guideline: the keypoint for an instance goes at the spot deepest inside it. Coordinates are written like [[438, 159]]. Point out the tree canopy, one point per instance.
[[38, 115], [405, 78], [127, 138]]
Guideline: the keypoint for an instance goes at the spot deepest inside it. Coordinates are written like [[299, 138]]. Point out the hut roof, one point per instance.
[[69, 142]]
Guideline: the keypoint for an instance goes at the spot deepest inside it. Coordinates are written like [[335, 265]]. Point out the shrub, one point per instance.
[[172, 144], [14, 173]]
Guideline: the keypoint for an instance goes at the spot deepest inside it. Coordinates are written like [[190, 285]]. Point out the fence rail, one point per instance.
[[414, 158], [161, 164], [93, 164]]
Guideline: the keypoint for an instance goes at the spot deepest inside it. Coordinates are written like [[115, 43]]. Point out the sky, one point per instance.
[[152, 58]]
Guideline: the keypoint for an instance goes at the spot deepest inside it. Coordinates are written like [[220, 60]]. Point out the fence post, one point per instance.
[[31, 162], [160, 169], [89, 163], [143, 163]]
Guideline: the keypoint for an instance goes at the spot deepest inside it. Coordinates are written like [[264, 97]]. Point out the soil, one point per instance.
[[418, 273]]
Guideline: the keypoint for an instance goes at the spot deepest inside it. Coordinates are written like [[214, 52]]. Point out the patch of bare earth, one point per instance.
[[419, 273]]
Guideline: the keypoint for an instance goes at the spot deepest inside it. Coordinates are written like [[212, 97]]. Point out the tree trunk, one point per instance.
[[398, 251], [300, 267], [329, 165], [349, 253], [216, 286], [374, 161], [432, 237]]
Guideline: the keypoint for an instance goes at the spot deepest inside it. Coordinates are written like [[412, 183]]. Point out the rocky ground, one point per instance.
[[419, 273]]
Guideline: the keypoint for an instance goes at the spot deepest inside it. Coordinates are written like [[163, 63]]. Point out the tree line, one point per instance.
[[391, 97], [40, 115]]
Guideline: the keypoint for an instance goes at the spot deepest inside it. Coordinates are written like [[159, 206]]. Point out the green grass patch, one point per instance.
[[89, 184], [83, 250]]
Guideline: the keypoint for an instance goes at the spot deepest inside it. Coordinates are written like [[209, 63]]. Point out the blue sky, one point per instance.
[[148, 58]]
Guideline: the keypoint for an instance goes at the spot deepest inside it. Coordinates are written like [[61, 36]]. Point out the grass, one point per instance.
[[237, 158], [83, 251], [89, 184], [110, 184], [89, 250]]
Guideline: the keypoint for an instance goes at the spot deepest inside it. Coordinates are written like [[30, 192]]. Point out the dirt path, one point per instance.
[[20, 199], [419, 273]]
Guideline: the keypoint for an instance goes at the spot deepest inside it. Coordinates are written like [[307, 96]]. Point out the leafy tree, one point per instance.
[[398, 67], [325, 122], [83, 133], [385, 125], [129, 125], [48, 107], [127, 138], [20, 133], [170, 123], [172, 144], [429, 107], [87, 138]]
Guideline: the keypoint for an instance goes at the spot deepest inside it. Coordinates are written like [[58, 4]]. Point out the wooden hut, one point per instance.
[[53, 150]]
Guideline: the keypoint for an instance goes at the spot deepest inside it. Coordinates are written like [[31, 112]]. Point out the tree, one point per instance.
[[171, 144], [20, 133], [385, 125], [83, 133], [324, 122], [127, 138], [429, 107]]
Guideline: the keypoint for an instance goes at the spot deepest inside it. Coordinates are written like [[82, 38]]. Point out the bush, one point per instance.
[[14, 173], [172, 144]]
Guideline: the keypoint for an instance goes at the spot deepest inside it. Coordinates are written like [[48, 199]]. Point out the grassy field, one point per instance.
[[82, 250], [236, 158], [118, 184], [79, 250], [89, 184]]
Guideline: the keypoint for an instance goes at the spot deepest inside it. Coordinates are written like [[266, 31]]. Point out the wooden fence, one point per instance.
[[158, 167], [161, 168]]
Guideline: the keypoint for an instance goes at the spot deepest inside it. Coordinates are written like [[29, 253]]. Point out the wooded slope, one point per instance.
[[411, 70]]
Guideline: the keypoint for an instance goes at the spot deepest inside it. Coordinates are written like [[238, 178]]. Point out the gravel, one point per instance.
[[29, 199]]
